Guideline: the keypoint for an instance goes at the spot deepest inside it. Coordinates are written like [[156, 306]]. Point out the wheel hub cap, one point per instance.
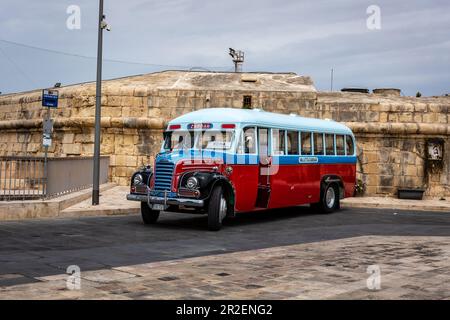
[[330, 197], [223, 208]]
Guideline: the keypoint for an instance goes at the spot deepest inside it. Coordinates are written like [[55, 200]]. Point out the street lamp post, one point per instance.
[[98, 100]]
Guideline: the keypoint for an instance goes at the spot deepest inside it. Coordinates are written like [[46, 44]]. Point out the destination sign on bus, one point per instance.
[[193, 126], [308, 160]]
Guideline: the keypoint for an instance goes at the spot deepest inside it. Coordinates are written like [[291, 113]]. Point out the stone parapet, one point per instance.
[[159, 124], [399, 128]]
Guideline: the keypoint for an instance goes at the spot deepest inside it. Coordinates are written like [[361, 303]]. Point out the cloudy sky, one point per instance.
[[411, 50]]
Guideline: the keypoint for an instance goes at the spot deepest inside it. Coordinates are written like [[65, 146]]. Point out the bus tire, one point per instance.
[[329, 200], [149, 216], [217, 209]]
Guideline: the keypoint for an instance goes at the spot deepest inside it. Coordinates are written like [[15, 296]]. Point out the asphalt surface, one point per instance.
[[34, 248]]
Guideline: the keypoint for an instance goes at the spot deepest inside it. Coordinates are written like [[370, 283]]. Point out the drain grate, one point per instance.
[[168, 278], [253, 286]]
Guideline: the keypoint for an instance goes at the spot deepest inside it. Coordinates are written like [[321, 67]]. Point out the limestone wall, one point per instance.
[[391, 131], [392, 134]]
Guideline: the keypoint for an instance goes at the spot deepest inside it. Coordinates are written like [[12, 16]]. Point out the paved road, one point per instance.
[[30, 249]]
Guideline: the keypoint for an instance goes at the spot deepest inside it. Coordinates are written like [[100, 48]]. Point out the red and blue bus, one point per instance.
[[222, 161]]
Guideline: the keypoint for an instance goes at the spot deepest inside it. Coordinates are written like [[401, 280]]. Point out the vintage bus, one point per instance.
[[221, 161]]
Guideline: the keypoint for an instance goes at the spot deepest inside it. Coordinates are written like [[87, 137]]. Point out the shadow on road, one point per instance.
[[45, 247], [199, 221]]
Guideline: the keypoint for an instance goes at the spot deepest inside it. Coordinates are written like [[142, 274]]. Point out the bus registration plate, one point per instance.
[[158, 207]]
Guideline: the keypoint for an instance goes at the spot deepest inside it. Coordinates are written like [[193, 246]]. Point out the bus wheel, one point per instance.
[[217, 209], [149, 216], [330, 198]]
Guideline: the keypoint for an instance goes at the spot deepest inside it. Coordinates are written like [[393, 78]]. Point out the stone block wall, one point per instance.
[[391, 132], [391, 137], [389, 162], [133, 119]]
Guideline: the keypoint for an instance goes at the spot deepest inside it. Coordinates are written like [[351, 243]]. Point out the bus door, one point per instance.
[[265, 161]]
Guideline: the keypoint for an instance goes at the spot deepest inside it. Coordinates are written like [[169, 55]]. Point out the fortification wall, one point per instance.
[[391, 132]]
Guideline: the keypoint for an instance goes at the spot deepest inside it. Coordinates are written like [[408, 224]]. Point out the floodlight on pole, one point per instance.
[[238, 59]]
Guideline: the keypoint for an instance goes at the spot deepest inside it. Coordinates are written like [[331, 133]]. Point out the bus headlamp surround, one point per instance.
[[138, 179], [192, 183]]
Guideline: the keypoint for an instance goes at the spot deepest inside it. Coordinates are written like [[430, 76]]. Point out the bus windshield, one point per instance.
[[179, 140], [210, 140]]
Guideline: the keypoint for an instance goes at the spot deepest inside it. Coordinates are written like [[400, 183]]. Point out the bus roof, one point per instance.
[[260, 118]]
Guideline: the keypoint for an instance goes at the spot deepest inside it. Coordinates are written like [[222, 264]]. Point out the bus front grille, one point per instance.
[[163, 176]]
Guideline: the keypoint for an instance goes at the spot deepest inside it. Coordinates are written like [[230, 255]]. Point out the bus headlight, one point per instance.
[[192, 183], [138, 179]]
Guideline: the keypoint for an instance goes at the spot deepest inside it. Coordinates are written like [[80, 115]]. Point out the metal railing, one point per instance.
[[28, 178], [22, 178]]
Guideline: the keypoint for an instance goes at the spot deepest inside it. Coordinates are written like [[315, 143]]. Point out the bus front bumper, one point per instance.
[[165, 201]]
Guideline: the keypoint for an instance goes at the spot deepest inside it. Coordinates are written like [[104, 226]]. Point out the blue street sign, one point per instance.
[[50, 98]]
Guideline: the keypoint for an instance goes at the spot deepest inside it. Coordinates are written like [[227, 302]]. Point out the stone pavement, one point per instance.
[[113, 201], [400, 204], [409, 268], [48, 208]]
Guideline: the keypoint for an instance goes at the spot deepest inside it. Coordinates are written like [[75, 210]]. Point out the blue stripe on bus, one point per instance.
[[292, 160], [247, 159], [313, 159]]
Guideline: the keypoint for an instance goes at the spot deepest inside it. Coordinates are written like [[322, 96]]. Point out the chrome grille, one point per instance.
[[163, 176]]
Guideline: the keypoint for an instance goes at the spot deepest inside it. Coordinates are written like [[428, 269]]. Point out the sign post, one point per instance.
[[49, 100]]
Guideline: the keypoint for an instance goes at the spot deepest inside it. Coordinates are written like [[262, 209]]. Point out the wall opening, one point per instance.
[[247, 102]]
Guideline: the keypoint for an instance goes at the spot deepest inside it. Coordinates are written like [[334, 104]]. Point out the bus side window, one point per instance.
[[340, 145], [247, 143], [278, 142], [306, 143], [263, 143], [350, 146], [329, 144], [318, 143], [292, 142]]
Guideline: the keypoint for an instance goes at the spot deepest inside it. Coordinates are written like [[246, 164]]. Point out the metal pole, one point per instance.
[[44, 187], [332, 75], [98, 96]]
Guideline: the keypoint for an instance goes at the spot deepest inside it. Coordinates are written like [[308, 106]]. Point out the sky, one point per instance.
[[406, 45]]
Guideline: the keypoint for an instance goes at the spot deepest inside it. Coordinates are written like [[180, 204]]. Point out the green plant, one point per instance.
[[360, 187]]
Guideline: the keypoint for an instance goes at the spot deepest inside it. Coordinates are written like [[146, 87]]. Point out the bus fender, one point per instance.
[[228, 190], [327, 179]]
